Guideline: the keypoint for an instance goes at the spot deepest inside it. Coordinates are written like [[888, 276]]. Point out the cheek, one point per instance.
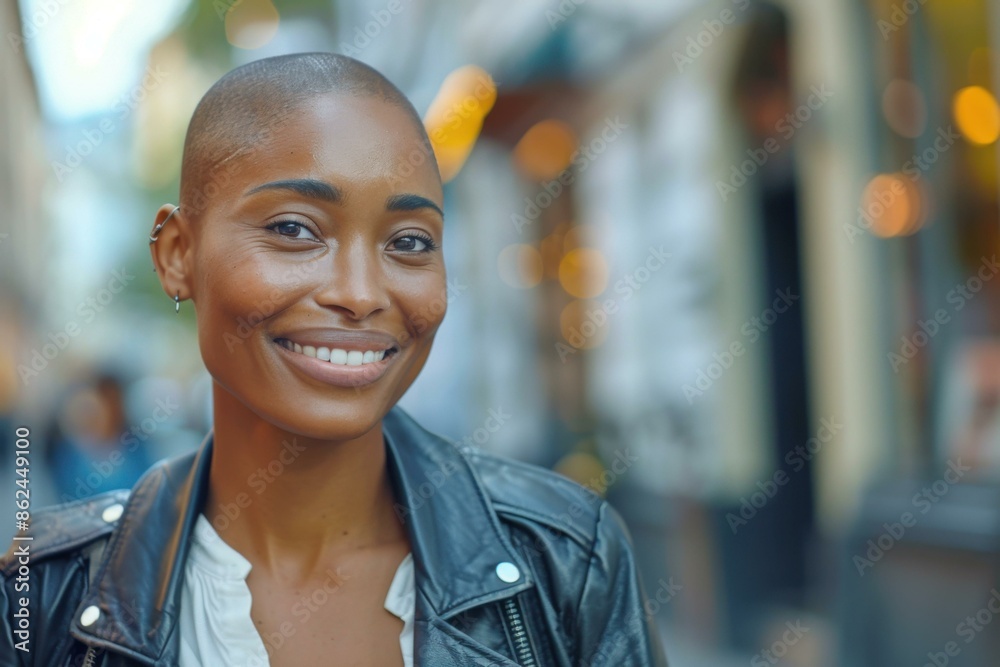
[[424, 302], [236, 295]]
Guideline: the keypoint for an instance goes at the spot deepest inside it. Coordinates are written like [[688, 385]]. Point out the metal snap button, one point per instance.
[[90, 616], [508, 572], [113, 513]]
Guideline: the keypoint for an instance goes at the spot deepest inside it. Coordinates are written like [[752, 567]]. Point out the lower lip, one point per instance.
[[338, 375]]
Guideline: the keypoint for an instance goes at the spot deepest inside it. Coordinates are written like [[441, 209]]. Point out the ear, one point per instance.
[[171, 252]]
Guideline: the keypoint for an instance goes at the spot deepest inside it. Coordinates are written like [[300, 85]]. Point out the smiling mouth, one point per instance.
[[338, 356]]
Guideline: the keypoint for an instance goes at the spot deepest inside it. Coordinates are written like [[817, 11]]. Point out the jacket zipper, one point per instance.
[[518, 633], [90, 659]]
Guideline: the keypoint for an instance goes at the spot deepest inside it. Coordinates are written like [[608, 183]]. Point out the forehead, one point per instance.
[[354, 142]]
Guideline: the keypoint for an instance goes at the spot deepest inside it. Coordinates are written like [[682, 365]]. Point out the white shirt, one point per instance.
[[215, 624]]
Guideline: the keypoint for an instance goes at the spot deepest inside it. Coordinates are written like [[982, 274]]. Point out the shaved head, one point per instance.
[[247, 105]]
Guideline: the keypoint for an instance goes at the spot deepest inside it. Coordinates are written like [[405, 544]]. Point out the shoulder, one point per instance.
[[64, 529], [539, 498]]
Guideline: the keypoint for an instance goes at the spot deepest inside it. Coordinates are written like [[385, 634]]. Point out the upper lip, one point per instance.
[[343, 339]]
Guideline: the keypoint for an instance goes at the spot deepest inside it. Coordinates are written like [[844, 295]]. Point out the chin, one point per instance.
[[345, 421]]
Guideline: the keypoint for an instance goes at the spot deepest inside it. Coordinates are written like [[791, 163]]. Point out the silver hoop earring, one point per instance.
[[156, 230], [177, 303]]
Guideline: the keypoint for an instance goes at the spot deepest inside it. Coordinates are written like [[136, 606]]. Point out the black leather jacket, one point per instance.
[[575, 597]]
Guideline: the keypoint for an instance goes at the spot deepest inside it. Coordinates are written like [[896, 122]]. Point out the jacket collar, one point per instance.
[[454, 532]]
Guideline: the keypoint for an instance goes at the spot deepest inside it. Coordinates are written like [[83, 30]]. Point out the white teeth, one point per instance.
[[335, 355]]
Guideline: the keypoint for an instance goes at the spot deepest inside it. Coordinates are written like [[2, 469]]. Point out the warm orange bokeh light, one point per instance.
[[893, 205], [583, 273], [545, 150], [456, 116], [977, 115]]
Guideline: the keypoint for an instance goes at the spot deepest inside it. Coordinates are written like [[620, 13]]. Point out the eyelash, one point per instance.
[[427, 240]]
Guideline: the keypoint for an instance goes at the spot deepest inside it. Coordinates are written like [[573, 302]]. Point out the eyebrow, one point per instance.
[[316, 189], [409, 202], [307, 187]]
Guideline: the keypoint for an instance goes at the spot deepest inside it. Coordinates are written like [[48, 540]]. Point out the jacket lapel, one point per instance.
[[137, 588], [455, 534]]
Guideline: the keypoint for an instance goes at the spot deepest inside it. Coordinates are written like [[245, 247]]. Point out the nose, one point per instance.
[[354, 282]]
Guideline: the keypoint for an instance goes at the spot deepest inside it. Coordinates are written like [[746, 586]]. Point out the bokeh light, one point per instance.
[[545, 150], [583, 273], [893, 206], [977, 115], [456, 115]]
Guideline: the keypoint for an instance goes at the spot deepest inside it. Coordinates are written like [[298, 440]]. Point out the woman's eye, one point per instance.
[[414, 243], [292, 230]]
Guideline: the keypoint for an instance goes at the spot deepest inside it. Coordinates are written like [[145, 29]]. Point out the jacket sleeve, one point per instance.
[[614, 626]]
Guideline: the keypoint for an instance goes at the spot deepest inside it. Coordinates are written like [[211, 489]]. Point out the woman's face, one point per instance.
[[317, 274]]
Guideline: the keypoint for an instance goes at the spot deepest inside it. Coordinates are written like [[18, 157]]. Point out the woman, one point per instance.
[[319, 524]]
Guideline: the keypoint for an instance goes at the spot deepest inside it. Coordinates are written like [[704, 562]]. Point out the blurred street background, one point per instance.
[[732, 264]]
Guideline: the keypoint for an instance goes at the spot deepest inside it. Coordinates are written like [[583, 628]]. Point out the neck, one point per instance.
[[277, 497]]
